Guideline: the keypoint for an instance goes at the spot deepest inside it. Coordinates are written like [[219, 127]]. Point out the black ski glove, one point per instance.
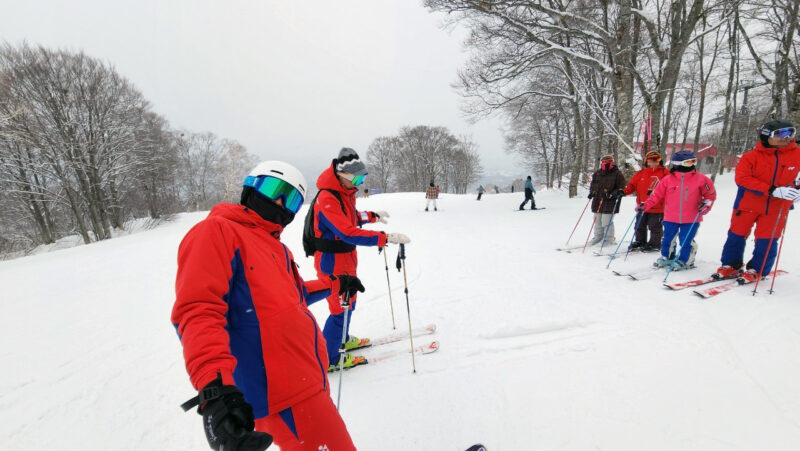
[[590, 195], [228, 418], [620, 193], [350, 285]]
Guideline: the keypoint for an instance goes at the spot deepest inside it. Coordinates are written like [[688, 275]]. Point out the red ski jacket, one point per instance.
[[759, 170], [341, 222], [241, 311], [644, 183]]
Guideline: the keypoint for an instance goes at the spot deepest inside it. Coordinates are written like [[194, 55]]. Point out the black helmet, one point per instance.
[[765, 131]]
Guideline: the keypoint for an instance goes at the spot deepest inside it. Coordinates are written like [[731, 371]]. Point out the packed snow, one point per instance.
[[540, 349]]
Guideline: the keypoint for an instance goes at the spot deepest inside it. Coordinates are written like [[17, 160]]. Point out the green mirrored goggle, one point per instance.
[[274, 188]]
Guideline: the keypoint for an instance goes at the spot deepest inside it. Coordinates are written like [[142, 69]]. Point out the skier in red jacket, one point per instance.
[[766, 177], [337, 231], [252, 349], [643, 183]]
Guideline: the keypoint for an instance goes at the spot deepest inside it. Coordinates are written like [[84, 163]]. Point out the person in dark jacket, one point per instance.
[[529, 192], [607, 187]]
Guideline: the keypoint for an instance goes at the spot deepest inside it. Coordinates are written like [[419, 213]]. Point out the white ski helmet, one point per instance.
[[279, 170], [283, 171]]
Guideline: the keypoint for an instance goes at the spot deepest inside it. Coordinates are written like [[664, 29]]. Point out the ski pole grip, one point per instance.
[[402, 251]]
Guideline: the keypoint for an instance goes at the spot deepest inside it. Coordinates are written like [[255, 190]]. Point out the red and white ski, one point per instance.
[[427, 348], [430, 329], [713, 291], [693, 283]]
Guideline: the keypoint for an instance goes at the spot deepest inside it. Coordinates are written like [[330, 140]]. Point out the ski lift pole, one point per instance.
[[401, 262]]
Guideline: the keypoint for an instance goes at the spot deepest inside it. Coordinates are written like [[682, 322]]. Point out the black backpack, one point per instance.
[[311, 243]]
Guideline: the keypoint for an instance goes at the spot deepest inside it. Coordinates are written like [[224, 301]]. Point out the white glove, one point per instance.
[[382, 215], [397, 238], [786, 192]]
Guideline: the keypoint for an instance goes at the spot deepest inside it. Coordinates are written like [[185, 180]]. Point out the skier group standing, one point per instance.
[[671, 204], [255, 353]]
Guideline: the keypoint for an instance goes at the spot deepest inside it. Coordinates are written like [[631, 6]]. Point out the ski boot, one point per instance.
[[749, 276], [350, 361], [726, 272], [662, 262], [354, 342], [681, 266]]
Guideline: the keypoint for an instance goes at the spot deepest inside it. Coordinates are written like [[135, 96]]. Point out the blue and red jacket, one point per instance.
[[762, 168], [241, 311], [341, 222]]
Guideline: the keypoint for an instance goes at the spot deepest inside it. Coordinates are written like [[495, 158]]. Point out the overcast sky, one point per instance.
[[292, 80]]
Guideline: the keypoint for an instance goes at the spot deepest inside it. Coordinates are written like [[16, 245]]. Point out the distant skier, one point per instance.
[[366, 192], [606, 187], [766, 177], [480, 192], [431, 194], [529, 192], [643, 183], [252, 348], [334, 231], [685, 193], [496, 189]]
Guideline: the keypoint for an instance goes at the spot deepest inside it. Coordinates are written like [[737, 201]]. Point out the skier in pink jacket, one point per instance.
[[688, 195]]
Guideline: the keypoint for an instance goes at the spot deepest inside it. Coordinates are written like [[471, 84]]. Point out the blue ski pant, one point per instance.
[[684, 235], [332, 332]]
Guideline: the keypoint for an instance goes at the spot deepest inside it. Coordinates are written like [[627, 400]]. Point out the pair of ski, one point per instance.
[[425, 348], [705, 293], [732, 282]]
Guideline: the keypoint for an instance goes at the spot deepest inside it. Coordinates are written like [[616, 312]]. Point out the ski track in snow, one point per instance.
[[540, 349]]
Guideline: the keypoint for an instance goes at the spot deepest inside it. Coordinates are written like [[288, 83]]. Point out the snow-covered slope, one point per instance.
[[540, 349]]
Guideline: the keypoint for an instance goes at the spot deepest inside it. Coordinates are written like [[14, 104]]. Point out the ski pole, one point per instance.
[[620, 242], [593, 222], [389, 284], [610, 221], [638, 223], [342, 351], [678, 251], [401, 260], [769, 247], [579, 221], [778, 260]]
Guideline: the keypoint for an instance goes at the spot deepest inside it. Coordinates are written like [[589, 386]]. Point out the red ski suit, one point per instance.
[[241, 311], [340, 222], [644, 183]]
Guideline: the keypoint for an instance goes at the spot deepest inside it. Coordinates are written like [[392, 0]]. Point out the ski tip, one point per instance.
[[431, 347]]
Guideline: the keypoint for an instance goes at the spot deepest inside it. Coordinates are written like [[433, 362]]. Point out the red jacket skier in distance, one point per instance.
[[238, 290]]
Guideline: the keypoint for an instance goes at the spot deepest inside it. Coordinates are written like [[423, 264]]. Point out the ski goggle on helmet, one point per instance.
[[689, 162], [354, 179], [781, 133], [278, 180]]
